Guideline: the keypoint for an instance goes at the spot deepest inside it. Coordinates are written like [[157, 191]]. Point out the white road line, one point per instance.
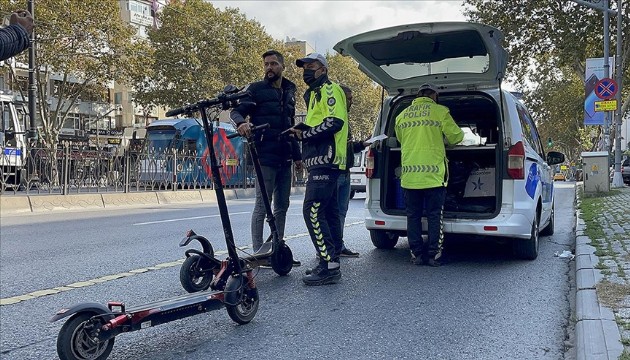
[[81, 284], [188, 218]]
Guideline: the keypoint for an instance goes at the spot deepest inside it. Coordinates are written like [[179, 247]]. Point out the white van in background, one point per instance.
[[358, 180]]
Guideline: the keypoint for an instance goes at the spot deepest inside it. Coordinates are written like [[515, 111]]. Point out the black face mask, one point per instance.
[[309, 76]]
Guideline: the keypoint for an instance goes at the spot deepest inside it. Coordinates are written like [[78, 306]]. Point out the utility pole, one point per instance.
[[617, 178], [606, 71], [31, 80]]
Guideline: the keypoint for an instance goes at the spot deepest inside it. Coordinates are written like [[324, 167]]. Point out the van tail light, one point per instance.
[[369, 164], [516, 161]]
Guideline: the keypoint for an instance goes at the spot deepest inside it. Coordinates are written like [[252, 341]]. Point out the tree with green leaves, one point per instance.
[[82, 47], [197, 50], [549, 42]]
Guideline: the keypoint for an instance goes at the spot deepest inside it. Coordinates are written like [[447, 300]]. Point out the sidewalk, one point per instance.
[[602, 267]]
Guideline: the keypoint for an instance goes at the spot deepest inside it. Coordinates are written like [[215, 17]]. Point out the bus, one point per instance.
[[176, 153], [13, 117]]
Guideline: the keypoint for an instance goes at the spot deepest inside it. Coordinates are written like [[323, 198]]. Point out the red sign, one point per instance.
[[606, 88]]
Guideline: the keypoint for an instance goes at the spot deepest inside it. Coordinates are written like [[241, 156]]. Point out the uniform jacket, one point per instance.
[[324, 144], [421, 129], [276, 107]]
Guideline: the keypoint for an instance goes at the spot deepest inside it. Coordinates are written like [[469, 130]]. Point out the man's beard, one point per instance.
[[273, 76]]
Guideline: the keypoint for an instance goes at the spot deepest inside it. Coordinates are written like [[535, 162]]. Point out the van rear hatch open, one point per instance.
[[450, 55]]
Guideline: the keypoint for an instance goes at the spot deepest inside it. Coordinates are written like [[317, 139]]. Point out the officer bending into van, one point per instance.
[[422, 128], [324, 143]]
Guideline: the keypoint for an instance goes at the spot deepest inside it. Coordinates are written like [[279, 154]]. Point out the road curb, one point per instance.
[[20, 204], [14, 205], [597, 333], [42, 203]]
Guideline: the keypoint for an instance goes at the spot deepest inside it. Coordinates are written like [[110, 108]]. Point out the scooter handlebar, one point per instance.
[[223, 99], [253, 129]]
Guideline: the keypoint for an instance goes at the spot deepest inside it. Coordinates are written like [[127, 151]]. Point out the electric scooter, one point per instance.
[[198, 269], [91, 328]]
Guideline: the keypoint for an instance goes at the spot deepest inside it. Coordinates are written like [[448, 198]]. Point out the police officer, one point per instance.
[[324, 143], [421, 129]]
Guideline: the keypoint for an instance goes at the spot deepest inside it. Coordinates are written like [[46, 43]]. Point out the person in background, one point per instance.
[[324, 143], [343, 183], [422, 128], [271, 101], [15, 38]]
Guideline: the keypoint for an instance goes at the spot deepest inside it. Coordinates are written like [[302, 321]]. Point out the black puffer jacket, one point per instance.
[[276, 107]]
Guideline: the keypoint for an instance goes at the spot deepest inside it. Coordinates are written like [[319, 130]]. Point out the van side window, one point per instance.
[[530, 134]]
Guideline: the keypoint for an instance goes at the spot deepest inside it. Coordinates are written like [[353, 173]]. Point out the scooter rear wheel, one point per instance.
[[241, 302], [75, 343], [195, 274], [282, 260]]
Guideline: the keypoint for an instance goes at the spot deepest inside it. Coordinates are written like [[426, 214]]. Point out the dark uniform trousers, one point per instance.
[[321, 213], [432, 202]]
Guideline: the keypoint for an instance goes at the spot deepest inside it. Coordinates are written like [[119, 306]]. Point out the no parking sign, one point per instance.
[[606, 88]]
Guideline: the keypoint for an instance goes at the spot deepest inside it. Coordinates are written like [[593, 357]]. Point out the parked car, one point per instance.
[[625, 170], [358, 180], [513, 197], [559, 177]]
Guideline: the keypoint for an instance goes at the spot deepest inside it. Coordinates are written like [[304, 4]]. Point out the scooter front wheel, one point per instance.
[[241, 301], [282, 260], [75, 341], [195, 274]]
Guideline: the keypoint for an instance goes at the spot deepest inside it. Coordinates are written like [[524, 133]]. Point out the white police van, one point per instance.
[[500, 179]]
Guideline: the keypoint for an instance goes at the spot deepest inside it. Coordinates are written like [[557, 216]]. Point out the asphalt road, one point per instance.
[[483, 304]]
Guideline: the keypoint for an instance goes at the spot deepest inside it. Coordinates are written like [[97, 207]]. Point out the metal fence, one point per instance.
[[70, 169]]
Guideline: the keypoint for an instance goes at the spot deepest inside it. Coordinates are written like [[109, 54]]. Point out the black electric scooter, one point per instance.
[[198, 269], [91, 328]]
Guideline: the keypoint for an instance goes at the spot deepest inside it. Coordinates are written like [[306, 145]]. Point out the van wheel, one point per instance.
[[548, 231], [352, 193], [528, 249], [383, 239]]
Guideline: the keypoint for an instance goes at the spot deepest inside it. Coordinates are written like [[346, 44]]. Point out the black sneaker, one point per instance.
[[345, 252], [321, 275], [320, 265], [418, 259], [434, 262]]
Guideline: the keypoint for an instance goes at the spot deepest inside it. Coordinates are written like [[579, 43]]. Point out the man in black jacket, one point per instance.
[[271, 101]]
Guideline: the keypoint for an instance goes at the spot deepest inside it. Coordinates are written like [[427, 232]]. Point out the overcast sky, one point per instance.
[[323, 23]]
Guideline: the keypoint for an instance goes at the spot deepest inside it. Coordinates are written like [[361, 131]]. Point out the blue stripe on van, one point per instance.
[[533, 178]]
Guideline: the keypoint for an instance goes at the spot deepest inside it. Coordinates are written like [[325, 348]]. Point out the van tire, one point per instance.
[[528, 249], [550, 228], [383, 239]]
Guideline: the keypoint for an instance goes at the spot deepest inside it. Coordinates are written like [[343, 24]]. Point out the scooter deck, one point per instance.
[[260, 257], [179, 301]]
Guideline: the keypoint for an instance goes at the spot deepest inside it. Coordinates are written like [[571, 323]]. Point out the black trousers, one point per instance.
[[321, 213], [431, 202]]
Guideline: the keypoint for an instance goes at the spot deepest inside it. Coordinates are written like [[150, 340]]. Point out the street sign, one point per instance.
[[606, 88], [606, 105]]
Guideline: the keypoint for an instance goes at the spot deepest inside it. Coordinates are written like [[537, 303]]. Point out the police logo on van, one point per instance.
[[331, 101]]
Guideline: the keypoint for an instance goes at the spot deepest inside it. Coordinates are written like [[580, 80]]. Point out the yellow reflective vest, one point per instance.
[[324, 145], [421, 129]]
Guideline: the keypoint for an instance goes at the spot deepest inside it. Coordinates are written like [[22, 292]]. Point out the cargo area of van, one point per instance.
[[474, 166]]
